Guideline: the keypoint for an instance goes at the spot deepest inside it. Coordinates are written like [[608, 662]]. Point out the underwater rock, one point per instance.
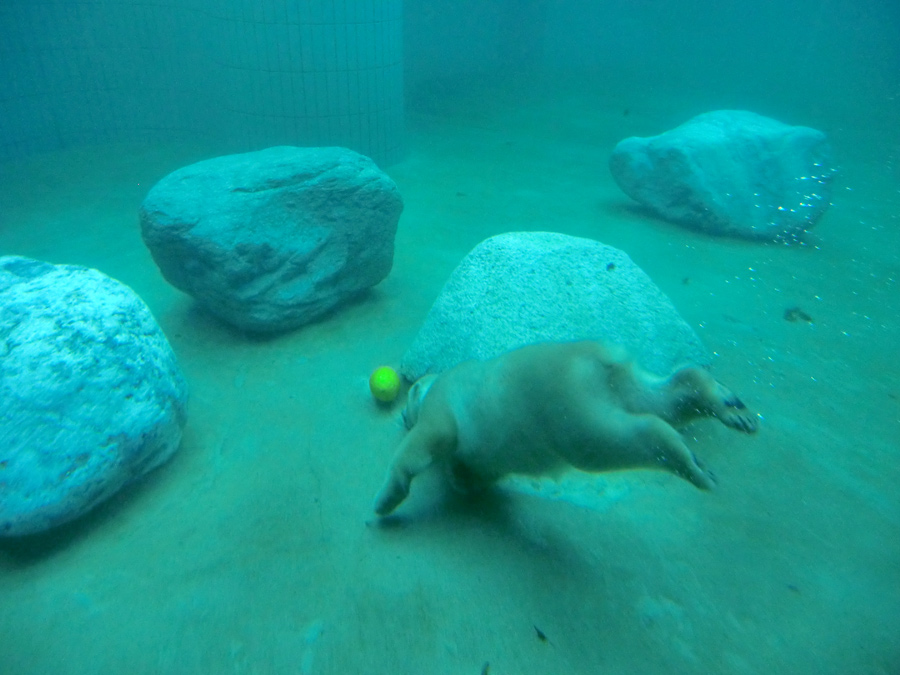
[[524, 287], [730, 172], [92, 397], [270, 240]]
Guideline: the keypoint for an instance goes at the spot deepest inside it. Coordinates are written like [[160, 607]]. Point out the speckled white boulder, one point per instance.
[[524, 287], [270, 240], [730, 172], [92, 397]]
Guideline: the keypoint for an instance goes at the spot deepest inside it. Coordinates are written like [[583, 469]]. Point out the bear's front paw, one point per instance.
[[389, 498]]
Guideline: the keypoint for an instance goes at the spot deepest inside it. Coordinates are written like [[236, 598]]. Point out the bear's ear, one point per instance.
[[414, 399]]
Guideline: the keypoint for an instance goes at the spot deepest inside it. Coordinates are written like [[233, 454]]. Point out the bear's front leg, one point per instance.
[[416, 453]]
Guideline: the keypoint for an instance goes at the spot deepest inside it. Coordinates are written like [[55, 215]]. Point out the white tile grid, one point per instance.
[[338, 60], [255, 13], [381, 46], [343, 86], [301, 107], [233, 55], [287, 70], [364, 11], [342, 68], [321, 94], [340, 11], [352, 32], [309, 94], [316, 12], [294, 10], [280, 46], [238, 39], [318, 63], [333, 84], [354, 93], [261, 50], [288, 112], [306, 47], [270, 11], [245, 12], [365, 97]]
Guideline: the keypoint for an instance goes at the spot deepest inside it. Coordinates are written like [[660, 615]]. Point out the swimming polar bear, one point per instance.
[[543, 408]]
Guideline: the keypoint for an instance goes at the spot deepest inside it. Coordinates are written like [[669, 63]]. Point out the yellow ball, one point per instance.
[[384, 384]]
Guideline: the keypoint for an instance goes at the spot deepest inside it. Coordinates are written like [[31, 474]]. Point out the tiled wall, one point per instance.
[[245, 73]]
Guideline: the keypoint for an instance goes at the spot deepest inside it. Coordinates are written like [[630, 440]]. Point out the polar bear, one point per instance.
[[546, 407]]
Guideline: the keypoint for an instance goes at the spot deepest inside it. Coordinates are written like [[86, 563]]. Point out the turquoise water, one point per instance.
[[254, 549]]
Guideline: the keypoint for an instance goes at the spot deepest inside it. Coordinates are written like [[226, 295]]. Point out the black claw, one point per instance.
[[735, 402]]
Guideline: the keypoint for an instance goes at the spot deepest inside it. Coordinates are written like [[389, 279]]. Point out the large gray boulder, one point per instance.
[[523, 287], [730, 172], [270, 240], [91, 397]]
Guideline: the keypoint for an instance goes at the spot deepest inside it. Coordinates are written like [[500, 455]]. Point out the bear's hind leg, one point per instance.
[[696, 393], [669, 452], [625, 441], [731, 411]]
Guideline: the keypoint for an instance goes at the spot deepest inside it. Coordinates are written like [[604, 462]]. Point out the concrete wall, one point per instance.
[[244, 73]]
